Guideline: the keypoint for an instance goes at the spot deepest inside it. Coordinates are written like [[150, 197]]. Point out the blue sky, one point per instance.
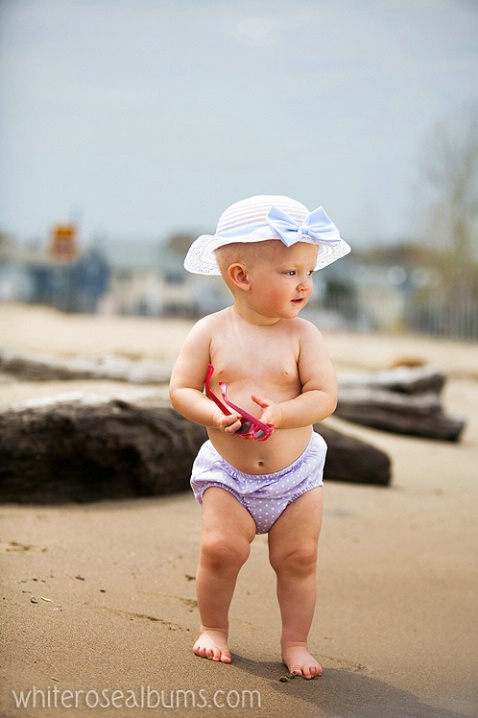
[[146, 117]]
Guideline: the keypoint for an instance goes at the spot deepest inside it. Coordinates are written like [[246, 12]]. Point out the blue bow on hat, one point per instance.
[[317, 225]]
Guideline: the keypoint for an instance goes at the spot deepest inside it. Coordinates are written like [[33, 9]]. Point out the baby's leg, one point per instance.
[[227, 532], [293, 541]]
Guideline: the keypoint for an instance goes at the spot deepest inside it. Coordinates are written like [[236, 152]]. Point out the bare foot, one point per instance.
[[212, 644], [299, 661]]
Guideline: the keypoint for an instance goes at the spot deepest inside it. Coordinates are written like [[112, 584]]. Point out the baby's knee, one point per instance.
[[219, 551], [299, 561]]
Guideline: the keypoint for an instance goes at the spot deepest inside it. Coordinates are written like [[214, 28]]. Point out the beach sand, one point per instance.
[[99, 604]]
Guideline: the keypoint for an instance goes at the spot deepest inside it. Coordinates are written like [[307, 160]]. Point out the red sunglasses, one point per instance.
[[250, 426]]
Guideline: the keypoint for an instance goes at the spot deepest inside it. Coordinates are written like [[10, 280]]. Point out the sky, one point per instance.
[[142, 118]]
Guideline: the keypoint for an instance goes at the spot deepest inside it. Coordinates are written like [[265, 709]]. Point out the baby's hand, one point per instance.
[[271, 412], [229, 424]]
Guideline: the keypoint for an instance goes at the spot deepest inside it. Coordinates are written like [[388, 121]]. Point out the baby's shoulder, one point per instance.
[[306, 335], [208, 325], [212, 321], [304, 328]]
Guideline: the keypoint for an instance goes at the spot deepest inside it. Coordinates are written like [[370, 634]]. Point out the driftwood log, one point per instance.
[[403, 400], [30, 366], [352, 460], [91, 448]]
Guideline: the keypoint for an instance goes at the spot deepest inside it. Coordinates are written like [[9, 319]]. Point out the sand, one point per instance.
[[99, 611]]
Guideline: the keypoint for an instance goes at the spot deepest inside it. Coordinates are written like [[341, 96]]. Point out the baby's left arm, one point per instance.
[[318, 398]]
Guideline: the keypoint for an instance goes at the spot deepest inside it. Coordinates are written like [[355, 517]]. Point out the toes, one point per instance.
[[311, 671], [213, 653], [307, 671]]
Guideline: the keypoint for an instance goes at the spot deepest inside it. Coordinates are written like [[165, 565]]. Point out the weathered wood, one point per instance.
[[92, 448], [84, 451], [402, 400], [418, 415], [43, 367], [402, 379], [352, 460]]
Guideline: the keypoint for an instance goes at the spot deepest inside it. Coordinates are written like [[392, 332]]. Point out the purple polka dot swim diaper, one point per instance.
[[265, 496]]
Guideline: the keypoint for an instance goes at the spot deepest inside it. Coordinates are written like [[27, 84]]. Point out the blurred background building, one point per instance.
[[127, 127], [403, 288]]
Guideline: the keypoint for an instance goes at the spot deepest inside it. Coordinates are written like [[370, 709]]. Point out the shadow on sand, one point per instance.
[[344, 694]]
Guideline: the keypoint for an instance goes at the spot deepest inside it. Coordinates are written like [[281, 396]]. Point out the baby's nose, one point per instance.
[[305, 282]]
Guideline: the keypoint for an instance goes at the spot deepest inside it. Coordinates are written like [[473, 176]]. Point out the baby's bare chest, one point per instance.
[[270, 361]]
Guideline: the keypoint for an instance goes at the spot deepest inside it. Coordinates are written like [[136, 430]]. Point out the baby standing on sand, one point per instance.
[[268, 379]]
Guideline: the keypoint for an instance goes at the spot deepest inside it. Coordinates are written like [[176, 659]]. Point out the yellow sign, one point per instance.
[[63, 242]]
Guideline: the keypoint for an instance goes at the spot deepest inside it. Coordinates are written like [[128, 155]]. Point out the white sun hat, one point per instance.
[[267, 217]]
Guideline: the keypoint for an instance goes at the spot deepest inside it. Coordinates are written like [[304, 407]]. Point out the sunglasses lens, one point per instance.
[[259, 434], [250, 429], [245, 428]]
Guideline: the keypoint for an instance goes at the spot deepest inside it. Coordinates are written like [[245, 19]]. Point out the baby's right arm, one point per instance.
[[187, 383]]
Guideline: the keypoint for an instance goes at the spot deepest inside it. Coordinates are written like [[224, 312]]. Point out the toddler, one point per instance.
[[268, 379]]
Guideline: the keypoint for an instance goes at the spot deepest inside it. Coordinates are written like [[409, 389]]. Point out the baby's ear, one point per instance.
[[238, 275]]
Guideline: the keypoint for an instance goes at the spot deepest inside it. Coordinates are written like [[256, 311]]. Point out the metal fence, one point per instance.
[[433, 317], [457, 320]]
